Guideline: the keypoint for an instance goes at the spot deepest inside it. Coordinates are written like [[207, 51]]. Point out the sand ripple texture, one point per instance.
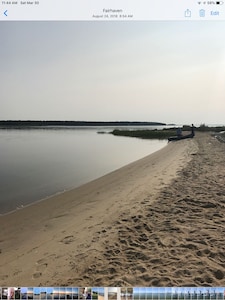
[[176, 240]]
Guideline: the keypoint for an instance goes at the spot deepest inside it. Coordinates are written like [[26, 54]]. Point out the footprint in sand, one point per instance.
[[3, 277], [68, 239], [41, 266], [218, 274], [41, 261], [36, 275], [33, 249]]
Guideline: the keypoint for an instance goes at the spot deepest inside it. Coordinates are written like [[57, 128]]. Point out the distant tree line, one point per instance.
[[28, 123]]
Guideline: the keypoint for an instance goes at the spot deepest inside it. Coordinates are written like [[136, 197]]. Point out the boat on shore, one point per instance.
[[179, 136], [182, 137]]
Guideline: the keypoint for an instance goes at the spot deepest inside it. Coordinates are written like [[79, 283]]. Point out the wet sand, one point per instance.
[[156, 222]]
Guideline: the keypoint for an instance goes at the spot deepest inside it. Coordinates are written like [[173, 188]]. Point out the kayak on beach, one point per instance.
[[182, 137]]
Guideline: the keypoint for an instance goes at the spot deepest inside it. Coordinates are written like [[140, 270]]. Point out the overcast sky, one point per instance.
[[172, 72]]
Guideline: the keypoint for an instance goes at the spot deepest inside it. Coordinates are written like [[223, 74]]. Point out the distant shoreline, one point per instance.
[[39, 123]]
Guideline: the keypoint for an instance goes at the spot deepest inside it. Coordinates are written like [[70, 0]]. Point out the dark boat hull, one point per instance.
[[182, 137]]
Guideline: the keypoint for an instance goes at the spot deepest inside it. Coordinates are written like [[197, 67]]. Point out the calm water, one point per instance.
[[37, 163]]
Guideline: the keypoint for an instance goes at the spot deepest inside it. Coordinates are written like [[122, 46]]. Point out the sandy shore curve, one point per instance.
[[155, 222]]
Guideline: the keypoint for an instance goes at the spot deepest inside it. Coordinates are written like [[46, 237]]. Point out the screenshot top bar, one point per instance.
[[111, 10]]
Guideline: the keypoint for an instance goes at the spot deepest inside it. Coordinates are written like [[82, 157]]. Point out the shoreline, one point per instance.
[[116, 230]]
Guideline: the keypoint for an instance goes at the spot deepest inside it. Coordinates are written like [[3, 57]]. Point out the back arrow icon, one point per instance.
[[5, 13]]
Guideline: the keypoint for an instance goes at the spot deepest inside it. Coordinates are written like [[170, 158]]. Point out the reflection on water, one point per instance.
[[38, 163]]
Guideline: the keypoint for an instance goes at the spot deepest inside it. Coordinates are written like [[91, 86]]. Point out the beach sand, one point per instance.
[[156, 222]]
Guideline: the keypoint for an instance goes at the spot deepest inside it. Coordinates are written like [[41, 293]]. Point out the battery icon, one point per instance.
[[219, 2]]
